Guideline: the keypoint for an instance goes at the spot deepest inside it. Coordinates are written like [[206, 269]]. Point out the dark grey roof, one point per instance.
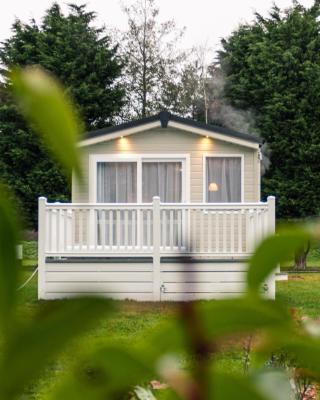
[[164, 117]]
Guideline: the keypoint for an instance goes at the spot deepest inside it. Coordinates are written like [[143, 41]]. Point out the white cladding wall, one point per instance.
[[134, 280], [173, 141]]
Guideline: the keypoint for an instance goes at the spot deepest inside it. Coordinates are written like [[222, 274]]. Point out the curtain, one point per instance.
[[223, 179], [163, 179], [117, 182]]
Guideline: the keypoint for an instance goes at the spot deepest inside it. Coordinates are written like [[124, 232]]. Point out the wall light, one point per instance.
[[213, 187]]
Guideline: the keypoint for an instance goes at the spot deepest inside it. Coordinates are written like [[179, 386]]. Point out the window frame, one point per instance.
[[204, 177], [139, 159]]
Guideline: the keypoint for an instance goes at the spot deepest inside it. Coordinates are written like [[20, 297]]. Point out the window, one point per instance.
[[223, 179], [138, 178], [117, 182], [163, 179]]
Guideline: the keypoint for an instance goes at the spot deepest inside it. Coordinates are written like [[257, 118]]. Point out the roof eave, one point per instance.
[[165, 119]]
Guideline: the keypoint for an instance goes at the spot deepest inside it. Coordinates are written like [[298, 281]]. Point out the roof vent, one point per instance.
[[164, 117]]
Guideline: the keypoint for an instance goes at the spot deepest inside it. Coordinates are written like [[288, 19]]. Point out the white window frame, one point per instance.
[[215, 155], [139, 159]]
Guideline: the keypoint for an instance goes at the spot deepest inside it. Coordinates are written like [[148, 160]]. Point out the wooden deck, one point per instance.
[[149, 251]]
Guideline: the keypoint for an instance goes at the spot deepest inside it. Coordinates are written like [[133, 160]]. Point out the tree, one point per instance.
[[152, 60], [300, 257], [272, 68], [82, 57]]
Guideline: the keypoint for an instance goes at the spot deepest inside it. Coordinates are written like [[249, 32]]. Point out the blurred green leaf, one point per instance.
[[274, 385], [166, 337], [35, 343], [227, 386], [306, 352], [242, 315], [142, 393], [271, 252], [49, 111], [110, 372], [9, 265]]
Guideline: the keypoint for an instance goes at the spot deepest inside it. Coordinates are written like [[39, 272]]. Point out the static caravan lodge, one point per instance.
[[168, 209]]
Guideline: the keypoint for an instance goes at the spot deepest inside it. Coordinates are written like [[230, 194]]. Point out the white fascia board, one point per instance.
[[214, 135], [115, 135]]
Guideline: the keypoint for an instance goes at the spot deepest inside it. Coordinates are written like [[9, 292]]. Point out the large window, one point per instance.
[[138, 179], [163, 179], [116, 182], [223, 179]]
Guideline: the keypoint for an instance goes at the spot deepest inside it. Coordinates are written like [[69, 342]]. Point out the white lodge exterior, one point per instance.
[[168, 209]]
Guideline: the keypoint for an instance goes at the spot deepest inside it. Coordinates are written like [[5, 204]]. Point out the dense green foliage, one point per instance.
[[88, 66], [272, 67]]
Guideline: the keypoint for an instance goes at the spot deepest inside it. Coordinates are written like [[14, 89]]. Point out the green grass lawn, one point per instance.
[[301, 291], [131, 319]]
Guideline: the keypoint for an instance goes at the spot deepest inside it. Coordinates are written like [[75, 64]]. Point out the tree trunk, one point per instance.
[[144, 65], [300, 258]]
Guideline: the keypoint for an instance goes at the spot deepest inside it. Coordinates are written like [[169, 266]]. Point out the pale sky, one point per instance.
[[206, 21]]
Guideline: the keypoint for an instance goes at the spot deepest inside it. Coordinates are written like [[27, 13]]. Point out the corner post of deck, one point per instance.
[[41, 246], [271, 201], [156, 248]]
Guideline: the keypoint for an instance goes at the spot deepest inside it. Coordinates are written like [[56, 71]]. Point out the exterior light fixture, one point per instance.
[[213, 187]]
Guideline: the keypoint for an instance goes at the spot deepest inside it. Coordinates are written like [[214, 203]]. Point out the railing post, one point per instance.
[[156, 248], [41, 246], [270, 282], [271, 201]]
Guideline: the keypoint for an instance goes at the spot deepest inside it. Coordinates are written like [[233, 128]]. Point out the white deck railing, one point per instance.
[[205, 229]]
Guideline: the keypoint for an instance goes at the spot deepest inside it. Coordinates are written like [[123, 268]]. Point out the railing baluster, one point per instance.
[[49, 230], [201, 233], [209, 244], [80, 216], [232, 246], [258, 225], [58, 231], [133, 228], [65, 229], [188, 221], [88, 232], [217, 232], [224, 230], [171, 229], [126, 229], [103, 228], [239, 231], [179, 229], [265, 231], [139, 240], [164, 229], [73, 230], [194, 231], [111, 230], [118, 233]]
